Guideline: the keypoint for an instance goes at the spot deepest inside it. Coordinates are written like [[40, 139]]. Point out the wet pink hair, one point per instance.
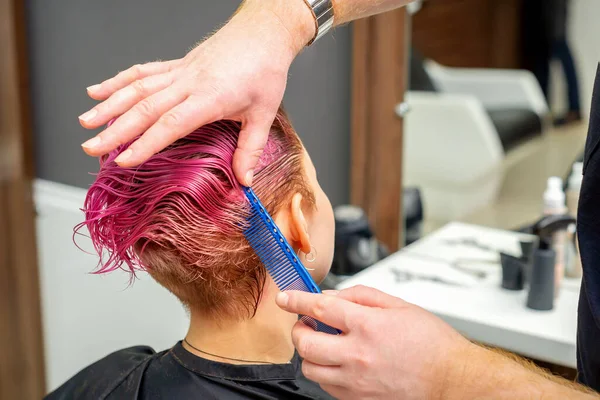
[[180, 215]]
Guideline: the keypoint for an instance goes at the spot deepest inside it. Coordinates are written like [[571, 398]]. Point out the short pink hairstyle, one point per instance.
[[180, 215]]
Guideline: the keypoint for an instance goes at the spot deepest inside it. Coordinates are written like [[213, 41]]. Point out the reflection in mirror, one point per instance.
[[494, 108]]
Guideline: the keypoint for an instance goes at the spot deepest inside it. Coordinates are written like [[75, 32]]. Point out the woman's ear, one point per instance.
[[298, 225]]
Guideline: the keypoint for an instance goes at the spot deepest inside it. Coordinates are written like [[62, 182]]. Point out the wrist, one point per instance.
[[481, 373], [290, 21], [463, 364]]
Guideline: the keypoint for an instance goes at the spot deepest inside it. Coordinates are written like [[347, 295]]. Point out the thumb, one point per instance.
[[370, 297], [251, 142]]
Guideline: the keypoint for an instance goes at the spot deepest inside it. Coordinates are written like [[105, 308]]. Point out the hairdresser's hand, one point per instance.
[[389, 348], [239, 73]]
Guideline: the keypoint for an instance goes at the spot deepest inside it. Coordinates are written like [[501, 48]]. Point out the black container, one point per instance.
[[513, 272], [541, 281], [541, 286], [527, 250]]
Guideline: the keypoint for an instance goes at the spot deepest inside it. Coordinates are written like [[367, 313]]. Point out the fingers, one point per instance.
[[135, 121], [172, 125], [318, 347], [103, 90], [323, 375], [252, 140], [370, 297], [123, 99], [332, 310]]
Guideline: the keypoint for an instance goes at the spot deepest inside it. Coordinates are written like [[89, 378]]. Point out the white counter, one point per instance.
[[478, 307]]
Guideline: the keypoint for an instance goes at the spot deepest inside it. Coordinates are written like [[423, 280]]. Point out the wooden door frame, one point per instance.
[[379, 76], [22, 373]]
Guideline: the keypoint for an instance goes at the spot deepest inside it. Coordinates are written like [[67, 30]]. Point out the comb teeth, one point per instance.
[[279, 264], [278, 257]]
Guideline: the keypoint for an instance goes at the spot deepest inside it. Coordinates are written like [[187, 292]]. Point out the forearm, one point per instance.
[[489, 374], [298, 22], [350, 10]]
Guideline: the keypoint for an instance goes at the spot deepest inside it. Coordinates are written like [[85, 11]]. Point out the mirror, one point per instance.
[[494, 107]]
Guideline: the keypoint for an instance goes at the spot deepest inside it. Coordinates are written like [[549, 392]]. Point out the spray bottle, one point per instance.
[[573, 261], [554, 204], [542, 277]]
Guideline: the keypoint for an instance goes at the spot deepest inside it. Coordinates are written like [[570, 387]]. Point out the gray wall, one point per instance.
[[75, 43]]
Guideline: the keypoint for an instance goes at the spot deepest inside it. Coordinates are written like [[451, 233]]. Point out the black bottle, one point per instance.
[[541, 283]]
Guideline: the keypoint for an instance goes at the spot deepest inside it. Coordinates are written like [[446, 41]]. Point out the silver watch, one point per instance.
[[322, 11]]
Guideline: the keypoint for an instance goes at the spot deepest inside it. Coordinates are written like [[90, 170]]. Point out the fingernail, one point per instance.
[[124, 156], [88, 116], [93, 142], [93, 88], [282, 299], [249, 176]]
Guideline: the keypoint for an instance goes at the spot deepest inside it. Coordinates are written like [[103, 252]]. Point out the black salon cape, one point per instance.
[[140, 373], [588, 231]]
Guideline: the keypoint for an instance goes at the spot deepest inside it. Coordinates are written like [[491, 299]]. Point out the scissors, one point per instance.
[[460, 264], [404, 276]]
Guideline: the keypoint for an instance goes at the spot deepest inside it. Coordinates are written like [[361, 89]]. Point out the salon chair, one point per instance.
[[463, 128]]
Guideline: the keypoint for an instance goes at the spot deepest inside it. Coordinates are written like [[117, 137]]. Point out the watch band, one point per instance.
[[322, 11]]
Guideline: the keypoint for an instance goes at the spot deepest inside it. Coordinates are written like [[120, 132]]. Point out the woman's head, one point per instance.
[[180, 216]]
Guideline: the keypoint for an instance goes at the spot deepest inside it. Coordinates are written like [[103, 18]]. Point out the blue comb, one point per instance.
[[279, 258]]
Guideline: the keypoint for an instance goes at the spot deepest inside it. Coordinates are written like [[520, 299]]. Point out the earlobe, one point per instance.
[[298, 224]]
